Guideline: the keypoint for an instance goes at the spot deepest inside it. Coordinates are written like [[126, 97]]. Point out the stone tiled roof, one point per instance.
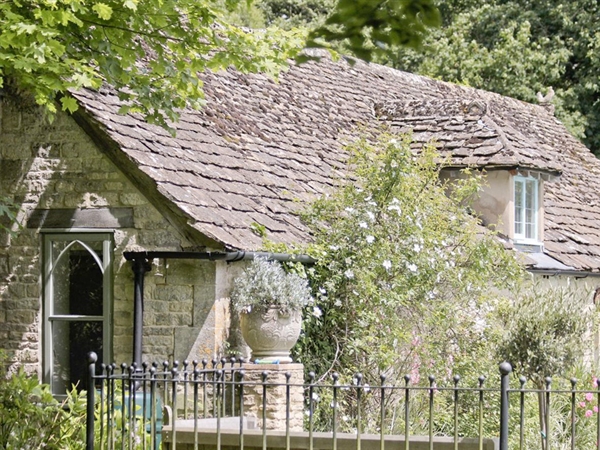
[[260, 149]]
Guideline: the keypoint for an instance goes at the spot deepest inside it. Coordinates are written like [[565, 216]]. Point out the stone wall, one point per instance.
[[56, 166], [253, 440]]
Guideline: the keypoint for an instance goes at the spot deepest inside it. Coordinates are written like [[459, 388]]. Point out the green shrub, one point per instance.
[[31, 418]]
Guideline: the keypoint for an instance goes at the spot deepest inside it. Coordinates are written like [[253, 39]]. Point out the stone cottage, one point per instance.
[[128, 234]]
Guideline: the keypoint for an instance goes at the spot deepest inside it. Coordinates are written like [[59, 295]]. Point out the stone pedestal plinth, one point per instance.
[[277, 396]]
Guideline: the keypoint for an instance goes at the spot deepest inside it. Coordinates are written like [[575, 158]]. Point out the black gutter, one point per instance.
[[141, 263], [550, 172], [220, 256], [568, 272]]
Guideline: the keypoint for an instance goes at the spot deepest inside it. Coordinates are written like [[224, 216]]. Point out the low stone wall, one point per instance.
[[253, 440]]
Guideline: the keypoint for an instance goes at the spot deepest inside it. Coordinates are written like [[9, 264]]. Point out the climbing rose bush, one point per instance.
[[405, 277]]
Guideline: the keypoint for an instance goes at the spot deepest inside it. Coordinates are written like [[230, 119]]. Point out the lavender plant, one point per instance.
[[265, 284]]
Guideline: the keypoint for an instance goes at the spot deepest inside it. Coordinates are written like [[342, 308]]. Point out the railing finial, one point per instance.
[[505, 371]]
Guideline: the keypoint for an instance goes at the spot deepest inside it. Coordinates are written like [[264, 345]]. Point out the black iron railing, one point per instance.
[[205, 401]]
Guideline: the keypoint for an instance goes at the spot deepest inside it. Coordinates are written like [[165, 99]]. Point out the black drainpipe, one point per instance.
[[141, 263]]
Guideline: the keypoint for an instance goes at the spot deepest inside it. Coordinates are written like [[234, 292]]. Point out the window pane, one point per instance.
[[531, 205], [530, 194], [518, 207], [85, 295], [77, 280], [530, 231], [71, 343], [518, 195], [518, 220], [518, 227], [529, 216]]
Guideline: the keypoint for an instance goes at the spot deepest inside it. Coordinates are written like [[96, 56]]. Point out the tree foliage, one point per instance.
[[405, 275], [370, 30], [407, 282], [150, 51], [289, 14], [547, 333], [8, 215]]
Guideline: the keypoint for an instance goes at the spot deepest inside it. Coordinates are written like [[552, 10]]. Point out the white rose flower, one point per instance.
[[317, 311]]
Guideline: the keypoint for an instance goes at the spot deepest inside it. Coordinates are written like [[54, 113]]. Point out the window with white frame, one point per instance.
[[526, 208], [77, 305]]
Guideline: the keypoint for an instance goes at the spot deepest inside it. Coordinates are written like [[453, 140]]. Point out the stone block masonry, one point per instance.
[[276, 395], [62, 181]]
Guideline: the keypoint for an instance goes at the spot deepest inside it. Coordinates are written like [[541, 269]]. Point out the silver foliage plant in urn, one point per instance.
[[270, 302]]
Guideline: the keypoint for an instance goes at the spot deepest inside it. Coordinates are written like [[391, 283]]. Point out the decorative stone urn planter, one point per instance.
[[269, 302], [271, 334]]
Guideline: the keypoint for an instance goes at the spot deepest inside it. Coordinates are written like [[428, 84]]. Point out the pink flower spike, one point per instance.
[[582, 404], [589, 397], [588, 413], [595, 408]]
